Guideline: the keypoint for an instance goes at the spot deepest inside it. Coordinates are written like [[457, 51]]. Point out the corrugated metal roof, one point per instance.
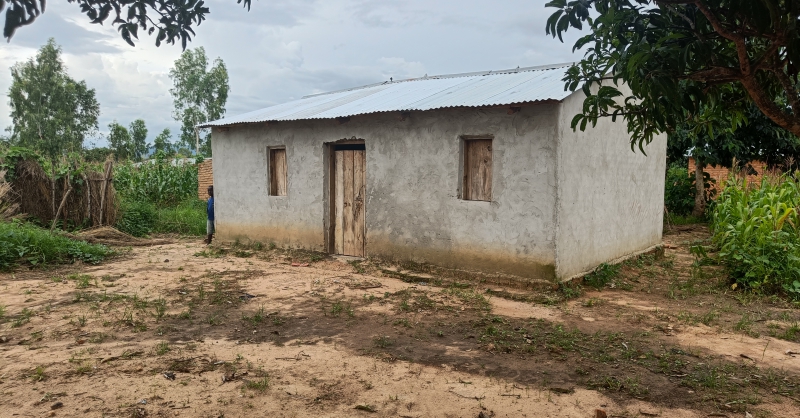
[[492, 88]]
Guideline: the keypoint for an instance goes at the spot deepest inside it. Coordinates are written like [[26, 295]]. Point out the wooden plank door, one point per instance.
[[349, 205]]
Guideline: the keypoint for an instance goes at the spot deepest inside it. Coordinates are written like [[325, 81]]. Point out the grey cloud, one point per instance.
[[284, 13], [284, 49]]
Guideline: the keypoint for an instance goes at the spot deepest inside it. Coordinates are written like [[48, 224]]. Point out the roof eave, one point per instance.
[[213, 124]]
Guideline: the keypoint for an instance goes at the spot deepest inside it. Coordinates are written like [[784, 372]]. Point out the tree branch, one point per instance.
[[773, 49], [791, 92], [741, 46], [765, 102], [714, 75]]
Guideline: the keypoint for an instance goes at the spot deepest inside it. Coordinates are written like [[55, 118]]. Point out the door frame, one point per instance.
[[329, 221]]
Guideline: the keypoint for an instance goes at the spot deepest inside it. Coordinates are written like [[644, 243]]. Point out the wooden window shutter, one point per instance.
[[478, 169], [277, 172]]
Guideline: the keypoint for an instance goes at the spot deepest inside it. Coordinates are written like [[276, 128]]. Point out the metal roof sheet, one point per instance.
[[492, 88]]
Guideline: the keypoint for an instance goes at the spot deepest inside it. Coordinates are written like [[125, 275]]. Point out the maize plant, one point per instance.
[[161, 181], [757, 231]]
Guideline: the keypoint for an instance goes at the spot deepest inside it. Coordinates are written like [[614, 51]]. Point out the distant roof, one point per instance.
[[491, 88]]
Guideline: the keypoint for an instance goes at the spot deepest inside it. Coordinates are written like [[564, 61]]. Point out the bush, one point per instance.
[[188, 218], [23, 242], [680, 191], [138, 218], [757, 231], [142, 218]]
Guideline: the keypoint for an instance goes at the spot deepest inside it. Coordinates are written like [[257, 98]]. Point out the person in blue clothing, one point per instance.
[[210, 215]]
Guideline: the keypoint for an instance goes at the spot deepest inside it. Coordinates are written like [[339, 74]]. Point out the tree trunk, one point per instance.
[[197, 141], [700, 190], [53, 190]]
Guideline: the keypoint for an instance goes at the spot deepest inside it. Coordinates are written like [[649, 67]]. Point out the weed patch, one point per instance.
[[601, 276], [260, 385], [23, 318], [23, 243]]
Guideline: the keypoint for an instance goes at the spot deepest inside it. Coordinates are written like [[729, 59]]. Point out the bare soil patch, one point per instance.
[[187, 330]]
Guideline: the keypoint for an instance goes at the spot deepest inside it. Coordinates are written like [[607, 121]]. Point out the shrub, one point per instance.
[[23, 242], [679, 191], [187, 218], [757, 231], [138, 218]]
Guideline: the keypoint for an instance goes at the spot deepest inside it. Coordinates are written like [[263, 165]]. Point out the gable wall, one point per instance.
[[610, 199], [413, 209]]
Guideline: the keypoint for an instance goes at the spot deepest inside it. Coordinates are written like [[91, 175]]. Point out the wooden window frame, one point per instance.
[[466, 190], [272, 184]]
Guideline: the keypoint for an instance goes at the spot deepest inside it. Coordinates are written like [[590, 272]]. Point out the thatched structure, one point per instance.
[[90, 197]]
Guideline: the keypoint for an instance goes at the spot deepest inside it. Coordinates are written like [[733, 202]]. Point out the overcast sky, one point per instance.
[[282, 50]]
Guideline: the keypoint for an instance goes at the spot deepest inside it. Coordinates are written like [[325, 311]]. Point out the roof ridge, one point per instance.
[[455, 75]]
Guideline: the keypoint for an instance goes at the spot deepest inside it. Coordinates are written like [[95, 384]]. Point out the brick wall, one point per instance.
[[205, 178], [720, 174]]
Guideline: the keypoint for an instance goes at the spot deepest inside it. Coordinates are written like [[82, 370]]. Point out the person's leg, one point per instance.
[[209, 231]]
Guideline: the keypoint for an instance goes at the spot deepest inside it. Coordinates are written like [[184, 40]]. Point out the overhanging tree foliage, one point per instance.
[[707, 59], [170, 20], [760, 139], [199, 95]]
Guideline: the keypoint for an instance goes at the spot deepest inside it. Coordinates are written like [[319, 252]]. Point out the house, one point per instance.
[[475, 171]]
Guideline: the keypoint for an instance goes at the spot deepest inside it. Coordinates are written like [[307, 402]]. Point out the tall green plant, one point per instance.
[[161, 181], [758, 233]]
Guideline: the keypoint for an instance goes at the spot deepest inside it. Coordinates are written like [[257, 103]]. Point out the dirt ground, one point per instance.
[[185, 330]]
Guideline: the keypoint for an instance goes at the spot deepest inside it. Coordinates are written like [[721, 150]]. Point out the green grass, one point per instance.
[[23, 318], [338, 308], [684, 219], [260, 385], [187, 218], [789, 334], [162, 348], [470, 297], [38, 374], [382, 341], [258, 317], [24, 243], [160, 305], [82, 281]]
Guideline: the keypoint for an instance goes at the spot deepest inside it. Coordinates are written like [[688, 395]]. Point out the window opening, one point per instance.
[[477, 169], [277, 172]]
